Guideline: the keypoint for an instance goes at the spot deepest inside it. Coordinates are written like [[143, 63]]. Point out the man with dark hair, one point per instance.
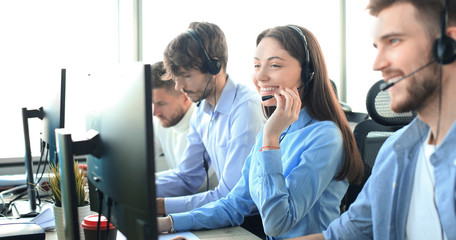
[[223, 127], [172, 111], [411, 193]]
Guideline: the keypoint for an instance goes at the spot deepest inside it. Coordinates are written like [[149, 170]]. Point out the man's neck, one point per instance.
[[220, 81], [440, 117]]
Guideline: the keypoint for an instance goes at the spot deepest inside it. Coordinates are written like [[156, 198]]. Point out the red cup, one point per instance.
[[90, 224]]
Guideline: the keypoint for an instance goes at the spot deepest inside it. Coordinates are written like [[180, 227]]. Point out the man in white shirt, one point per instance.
[[172, 111]]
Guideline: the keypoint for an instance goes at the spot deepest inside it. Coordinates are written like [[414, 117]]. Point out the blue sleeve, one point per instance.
[[228, 211], [245, 121], [357, 221], [189, 174], [283, 201]]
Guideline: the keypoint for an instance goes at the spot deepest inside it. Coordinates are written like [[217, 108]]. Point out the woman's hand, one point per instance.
[[286, 113]]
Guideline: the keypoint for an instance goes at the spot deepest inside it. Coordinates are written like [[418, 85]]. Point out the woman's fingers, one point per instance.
[[279, 100], [296, 100], [288, 100], [292, 102]]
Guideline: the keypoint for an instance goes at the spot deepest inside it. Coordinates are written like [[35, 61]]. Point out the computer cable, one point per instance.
[[46, 163], [12, 191], [108, 217], [206, 169], [42, 147], [205, 163], [39, 165], [100, 208], [38, 179], [10, 204]]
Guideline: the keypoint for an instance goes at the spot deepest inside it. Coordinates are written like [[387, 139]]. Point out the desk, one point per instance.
[[228, 233]]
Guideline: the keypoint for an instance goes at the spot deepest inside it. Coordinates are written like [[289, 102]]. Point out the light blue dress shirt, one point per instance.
[[293, 188], [226, 138], [381, 209]]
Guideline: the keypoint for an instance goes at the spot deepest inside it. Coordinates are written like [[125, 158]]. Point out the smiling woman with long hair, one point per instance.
[[303, 159]]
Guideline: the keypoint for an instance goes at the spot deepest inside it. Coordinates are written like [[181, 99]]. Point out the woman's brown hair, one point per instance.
[[318, 95]]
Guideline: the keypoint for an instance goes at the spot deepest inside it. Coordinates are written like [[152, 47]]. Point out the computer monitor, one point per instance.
[[120, 164], [52, 113]]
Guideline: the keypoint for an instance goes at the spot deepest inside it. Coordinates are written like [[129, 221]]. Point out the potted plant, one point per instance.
[[54, 186], [55, 194]]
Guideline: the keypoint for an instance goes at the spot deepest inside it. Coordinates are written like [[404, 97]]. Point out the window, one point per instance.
[[243, 21], [38, 39], [41, 37]]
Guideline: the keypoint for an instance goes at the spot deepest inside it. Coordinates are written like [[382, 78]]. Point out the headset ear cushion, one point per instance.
[[214, 66], [444, 50]]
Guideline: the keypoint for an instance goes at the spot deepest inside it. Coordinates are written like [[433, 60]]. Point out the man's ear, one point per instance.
[[184, 97]]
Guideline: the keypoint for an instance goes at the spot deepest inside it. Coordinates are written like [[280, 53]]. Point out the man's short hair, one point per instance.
[[158, 71], [184, 52], [429, 12]]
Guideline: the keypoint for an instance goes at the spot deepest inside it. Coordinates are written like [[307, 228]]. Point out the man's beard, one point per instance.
[[175, 119], [421, 88]]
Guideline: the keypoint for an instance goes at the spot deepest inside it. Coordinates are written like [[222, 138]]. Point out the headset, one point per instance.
[[444, 48], [212, 65], [306, 74]]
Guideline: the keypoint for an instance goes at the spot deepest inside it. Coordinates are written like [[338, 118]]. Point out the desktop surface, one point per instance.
[[228, 233]]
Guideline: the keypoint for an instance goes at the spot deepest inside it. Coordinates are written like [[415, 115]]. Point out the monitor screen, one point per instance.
[[123, 175], [54, 114]]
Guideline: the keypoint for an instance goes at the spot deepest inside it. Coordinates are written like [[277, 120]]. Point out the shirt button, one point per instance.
[[454, 162]]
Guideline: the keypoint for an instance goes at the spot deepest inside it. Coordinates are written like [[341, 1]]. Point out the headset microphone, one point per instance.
[[264, 98], [204, 92], [385, 86], [267, 97]]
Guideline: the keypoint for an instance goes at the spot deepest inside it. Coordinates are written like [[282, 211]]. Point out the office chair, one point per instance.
[[370, 134]]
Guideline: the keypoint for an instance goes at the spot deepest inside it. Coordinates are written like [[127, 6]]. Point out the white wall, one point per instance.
[[241, 22], [41, 37]]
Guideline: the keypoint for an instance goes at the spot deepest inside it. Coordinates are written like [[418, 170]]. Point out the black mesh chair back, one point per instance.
[[370, 134]]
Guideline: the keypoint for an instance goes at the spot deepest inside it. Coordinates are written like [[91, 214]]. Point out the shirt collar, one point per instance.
[[226, 98], [413, 134], [445, 151], [417, 131], [303, 120]]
